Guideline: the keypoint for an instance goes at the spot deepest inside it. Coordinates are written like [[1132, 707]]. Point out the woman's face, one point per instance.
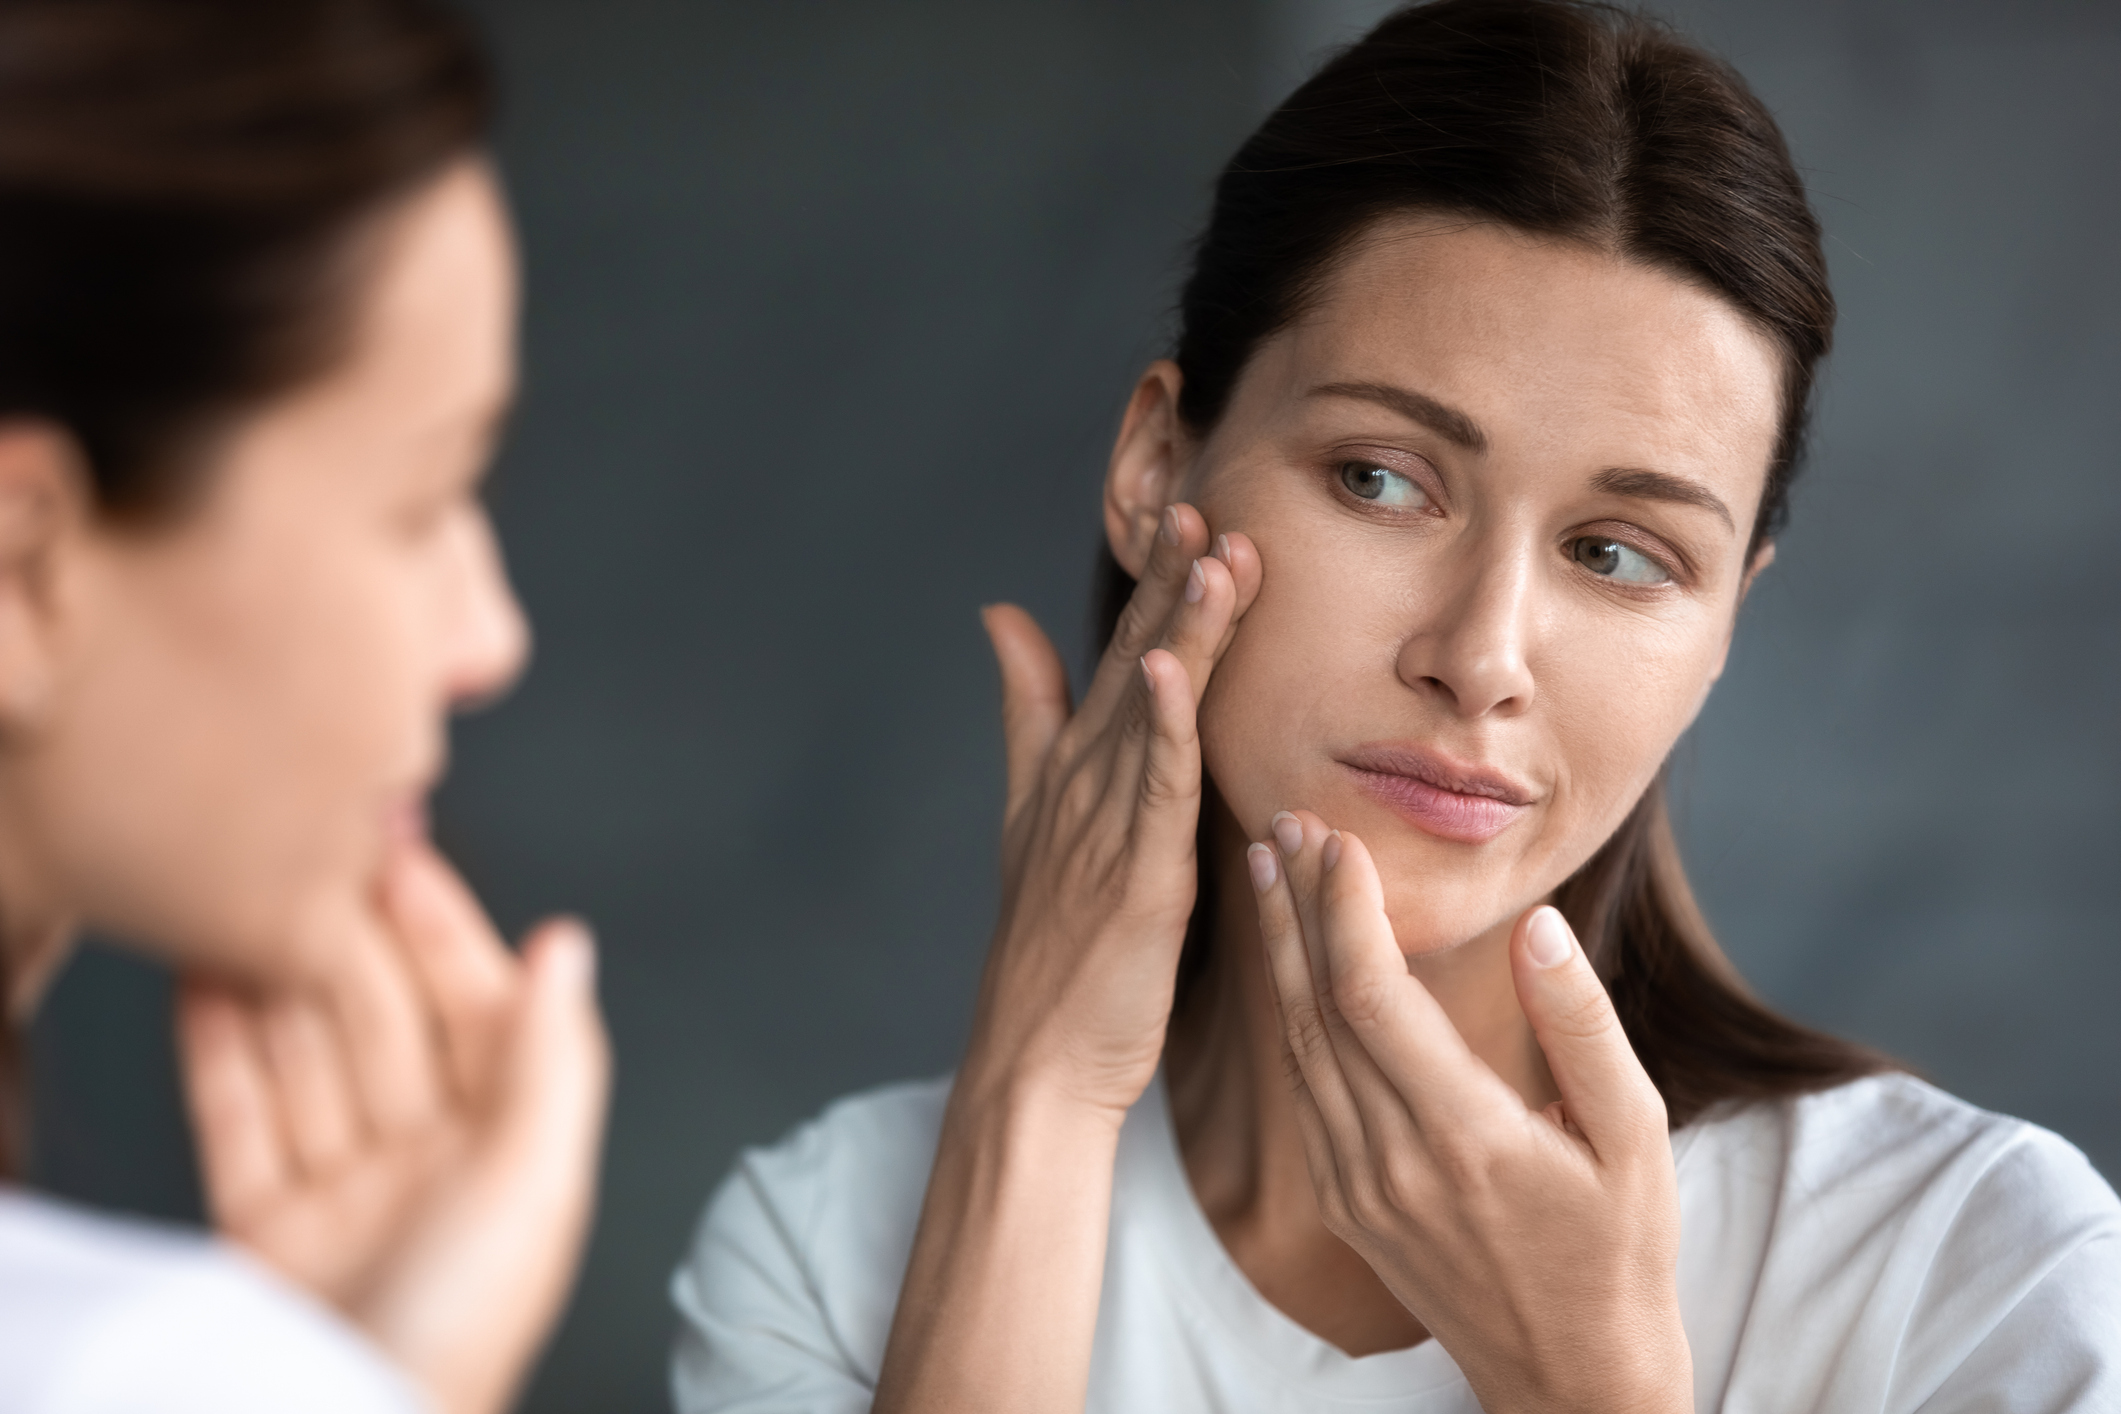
[[1501, 488], [248, 705]]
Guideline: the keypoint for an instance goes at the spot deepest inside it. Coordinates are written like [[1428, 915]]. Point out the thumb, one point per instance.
[[1035, 702], [559, 1064], [494, 1259], [1608, 1094]]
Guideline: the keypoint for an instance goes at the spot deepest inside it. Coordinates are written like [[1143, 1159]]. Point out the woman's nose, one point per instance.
[[1469, 647], [490, 639]]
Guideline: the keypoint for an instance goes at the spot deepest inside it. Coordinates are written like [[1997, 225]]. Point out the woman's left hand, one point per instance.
[[1539, 1246], [413, 1136]]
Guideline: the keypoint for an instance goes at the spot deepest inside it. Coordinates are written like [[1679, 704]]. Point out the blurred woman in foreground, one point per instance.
[[257, 309], [1350, 1039]]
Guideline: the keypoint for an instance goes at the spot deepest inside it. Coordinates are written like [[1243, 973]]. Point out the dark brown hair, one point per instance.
[[182, 183], [1588, 123]]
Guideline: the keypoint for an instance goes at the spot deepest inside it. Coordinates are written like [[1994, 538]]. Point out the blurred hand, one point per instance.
[[415, 1139], [1099, 829], [1539, 1246]]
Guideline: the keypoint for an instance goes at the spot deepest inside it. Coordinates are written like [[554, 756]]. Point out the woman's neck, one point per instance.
[[35, 934], [1237, 1123]]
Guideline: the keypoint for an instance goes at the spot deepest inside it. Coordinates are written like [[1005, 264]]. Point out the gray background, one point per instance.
[[832, 309]]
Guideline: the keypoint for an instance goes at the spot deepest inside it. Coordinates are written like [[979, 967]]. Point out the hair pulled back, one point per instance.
[[182, 185], [1584, 122]]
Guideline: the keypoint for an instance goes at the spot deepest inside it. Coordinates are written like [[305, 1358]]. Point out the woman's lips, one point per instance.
[[1470, 805]]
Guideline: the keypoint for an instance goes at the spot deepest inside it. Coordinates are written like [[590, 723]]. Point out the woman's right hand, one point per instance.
[[1099, 832], [999, 1305]]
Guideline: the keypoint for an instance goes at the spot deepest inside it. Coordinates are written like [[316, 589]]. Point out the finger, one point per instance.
[[470, 979], [1303, 1023], [308, 1083], [1309, 848], [1192, 641], [243, 1158], [1236, 550], [1168, 817], [558, 1057], [1608, 1095], [386, 1031], [1035, 702], [1182, 539], [1392, 1016], [522, 1208], [1201, 625]]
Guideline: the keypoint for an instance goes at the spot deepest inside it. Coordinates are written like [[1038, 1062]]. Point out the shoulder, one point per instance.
[[1898, 1137], [1886, 1215], [854, 1172], [800, 1253], [1894, 1155], [197, 1325], [860, 1149]]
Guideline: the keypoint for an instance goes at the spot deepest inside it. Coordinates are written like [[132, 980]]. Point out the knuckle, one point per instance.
[[1334, 1212], [1306, 1030], [1361, 996], [1136, 627], [1370, 1207], [1135, 719], [1404, 1184], [1463, 1163], [1166, 782], [1585, 1014]]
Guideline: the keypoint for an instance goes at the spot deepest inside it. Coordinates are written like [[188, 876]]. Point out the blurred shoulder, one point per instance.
[[108, 1313]]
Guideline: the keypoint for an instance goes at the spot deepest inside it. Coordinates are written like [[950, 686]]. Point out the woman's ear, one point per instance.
[[1148, 464], [1762, 558], [42, 502]]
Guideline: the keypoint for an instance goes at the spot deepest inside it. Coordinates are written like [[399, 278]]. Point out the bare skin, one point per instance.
[[1479, 522], [216, 738]]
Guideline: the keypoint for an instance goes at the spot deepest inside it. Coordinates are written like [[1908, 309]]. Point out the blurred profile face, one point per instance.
[[251, 701], [1502, 488]]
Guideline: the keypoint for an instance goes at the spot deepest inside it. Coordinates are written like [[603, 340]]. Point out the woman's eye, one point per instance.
[[1610, 558], [1382, 485]]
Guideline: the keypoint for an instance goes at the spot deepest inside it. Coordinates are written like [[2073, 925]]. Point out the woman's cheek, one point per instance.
[[1233, 740]]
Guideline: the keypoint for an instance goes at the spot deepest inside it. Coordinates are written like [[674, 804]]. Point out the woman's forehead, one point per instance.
[[1522, 339]]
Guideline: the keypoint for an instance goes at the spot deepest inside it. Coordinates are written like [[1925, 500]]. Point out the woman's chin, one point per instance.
[[1440, 913]]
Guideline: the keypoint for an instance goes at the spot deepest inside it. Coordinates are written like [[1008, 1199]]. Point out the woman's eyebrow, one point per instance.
[[1445, 421], [1661, 486]]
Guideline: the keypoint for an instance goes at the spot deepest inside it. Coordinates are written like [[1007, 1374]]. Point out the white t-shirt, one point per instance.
[[102, 1315], [1879, 1247]]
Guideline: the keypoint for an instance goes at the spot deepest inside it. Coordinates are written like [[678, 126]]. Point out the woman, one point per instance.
[[1350, 1038], [257, 306]]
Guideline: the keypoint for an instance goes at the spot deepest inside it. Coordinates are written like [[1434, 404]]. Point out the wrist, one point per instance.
[[1649, 1377], [1038, 1111], [1635, 1366]]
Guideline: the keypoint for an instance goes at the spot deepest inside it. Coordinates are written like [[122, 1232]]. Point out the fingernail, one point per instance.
[[1260, 860], [1547, 939], [1329, 854], [1222, 548], [1170, 532], [1196, 584], [1148, 676], [1288, 833]]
